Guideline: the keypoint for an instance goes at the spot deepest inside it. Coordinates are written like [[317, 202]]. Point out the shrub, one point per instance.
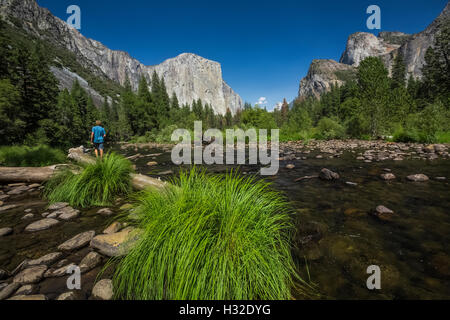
[[330, 129], [210, 237], [97, 185], [23, 156]]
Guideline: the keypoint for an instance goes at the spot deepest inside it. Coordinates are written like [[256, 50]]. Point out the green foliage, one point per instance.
[[97, 185], [210, 238], [330, 129], [23, 156]]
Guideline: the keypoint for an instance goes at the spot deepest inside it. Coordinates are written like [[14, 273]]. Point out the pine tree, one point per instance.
[[398, 72]]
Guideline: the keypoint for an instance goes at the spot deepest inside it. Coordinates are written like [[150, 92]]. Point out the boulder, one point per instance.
[[77, 242], [326, 174], [103, 290], [116, 244], [30, 275], [40, 225]]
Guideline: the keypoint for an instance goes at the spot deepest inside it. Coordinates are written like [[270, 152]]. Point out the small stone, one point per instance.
[[61, 263], [418, 178], [290, 166], [18, 190], [68, 214], [326, 174], [28, 216], [92, 260], [1, 203], [58, 206], [78, 241], [35, 185], [52, 215], [103, 290], [388, 176], [52, 273], [40, 225], [5, 232], [4, 197], [440, 178], [9, 290], [30, 275], [37, 297], [105, 212], [383, 213], [113, 228], [349, 183], [8, 207], [46, 260], [45, 214], [27, 290], [126, 206], [116, 244], [28, 210], [152, 163], [68, 296], [163, 173]]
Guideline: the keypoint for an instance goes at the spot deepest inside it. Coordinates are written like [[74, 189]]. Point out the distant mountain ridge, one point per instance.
[[190, 76], [360, 45]]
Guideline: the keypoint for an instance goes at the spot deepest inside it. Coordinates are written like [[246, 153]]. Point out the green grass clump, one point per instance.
[[23, 156], [97, 185], [210, 238]]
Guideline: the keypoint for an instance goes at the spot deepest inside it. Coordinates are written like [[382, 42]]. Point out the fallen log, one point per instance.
[[139, 181], [43, 174], [30, 175]]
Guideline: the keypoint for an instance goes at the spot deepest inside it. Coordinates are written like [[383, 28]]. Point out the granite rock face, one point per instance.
[[188, 75], [360, 45]]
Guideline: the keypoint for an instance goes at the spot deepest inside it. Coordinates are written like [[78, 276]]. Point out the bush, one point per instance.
[[23, 156], [97, 185], [329, 129], [210, 237]]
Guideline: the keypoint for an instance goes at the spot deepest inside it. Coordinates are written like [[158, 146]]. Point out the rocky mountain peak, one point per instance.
[[190, 76]]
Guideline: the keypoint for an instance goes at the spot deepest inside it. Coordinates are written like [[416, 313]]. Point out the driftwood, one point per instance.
[[139, 181], [30, 175], [43, 174]]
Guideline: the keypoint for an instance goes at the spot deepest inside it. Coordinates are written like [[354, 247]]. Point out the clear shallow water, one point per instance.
[[335, 231], [340, 238]]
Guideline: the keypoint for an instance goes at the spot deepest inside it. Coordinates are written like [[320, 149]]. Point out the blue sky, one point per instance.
[[265, 47]]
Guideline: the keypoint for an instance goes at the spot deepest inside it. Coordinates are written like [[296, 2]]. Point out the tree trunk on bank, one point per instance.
[[43, 174]]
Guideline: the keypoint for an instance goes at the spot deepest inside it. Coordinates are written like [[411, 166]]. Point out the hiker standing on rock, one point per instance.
[[98, 136]]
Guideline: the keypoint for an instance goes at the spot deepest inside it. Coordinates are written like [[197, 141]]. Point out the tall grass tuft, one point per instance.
[[210, 237], [97, 185], [23, 156]]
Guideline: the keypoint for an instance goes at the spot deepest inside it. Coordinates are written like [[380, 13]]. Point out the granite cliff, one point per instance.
[[188, 75]]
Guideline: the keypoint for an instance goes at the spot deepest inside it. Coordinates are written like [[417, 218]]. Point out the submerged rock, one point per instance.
[[9, 290], [78, 241], [92, 260], [58, 206], [40, 225], [326, 174], [105, 212], [388, 176], [5, 231], [103, 290], [383, 213], [418, 178], [46, 260], [8, 207], [30, 275], [116, 244]]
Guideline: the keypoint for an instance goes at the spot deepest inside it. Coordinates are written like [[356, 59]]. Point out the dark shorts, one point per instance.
[[98, 146]]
